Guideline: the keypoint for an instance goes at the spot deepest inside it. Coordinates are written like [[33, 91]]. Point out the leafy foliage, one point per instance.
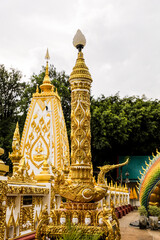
[[142, 211], [75, 233], [124, 126], [11, 89], [154, 211]]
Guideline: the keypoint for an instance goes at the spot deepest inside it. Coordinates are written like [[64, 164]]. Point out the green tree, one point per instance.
[[124, 126], [11, 89]]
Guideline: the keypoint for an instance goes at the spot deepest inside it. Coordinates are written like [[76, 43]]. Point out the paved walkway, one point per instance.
[[133, 233]]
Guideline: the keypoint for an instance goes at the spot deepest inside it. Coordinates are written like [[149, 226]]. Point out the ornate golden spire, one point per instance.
[[47, 55], [16, 155], [16, 134], [46, 78], [80, 71], [46, 86], [80, 83], [37, 89]]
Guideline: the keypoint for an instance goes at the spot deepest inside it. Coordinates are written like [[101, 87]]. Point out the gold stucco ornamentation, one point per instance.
[[52, 204], [38, 200], [30, 189], [40, 130], [27, 218], [107, 168], [16, 155], [44, 176], [87, 218], [21, 175], [11, 201], [3, 206], [11, 223], [43, 223]]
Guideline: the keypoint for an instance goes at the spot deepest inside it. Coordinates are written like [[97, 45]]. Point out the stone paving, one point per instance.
[[132, 233]]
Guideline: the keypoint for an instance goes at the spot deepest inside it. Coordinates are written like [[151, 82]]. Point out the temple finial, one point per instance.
[[46, 86], [37, 89], [79, 40], [47, 58], [16, 133], [16, 155], [47, 55]]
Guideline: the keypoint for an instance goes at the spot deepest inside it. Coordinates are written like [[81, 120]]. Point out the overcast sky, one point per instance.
[[123, 41]]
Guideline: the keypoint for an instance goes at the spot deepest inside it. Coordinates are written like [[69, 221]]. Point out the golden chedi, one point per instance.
[[44, 135]]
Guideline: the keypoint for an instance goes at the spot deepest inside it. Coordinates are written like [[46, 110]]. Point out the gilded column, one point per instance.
[[80, 83]]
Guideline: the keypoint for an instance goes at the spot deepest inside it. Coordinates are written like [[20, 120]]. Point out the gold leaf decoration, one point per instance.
[[33, 124], [41, 121]]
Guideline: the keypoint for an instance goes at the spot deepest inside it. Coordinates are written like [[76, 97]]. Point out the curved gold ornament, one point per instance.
[[107, 168]]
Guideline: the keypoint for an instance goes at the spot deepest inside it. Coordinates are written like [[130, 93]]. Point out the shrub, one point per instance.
[[142, 211], [75, 233], [154, 211]]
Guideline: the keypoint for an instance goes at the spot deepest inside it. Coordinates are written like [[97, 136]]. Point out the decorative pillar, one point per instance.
[[80, 83]]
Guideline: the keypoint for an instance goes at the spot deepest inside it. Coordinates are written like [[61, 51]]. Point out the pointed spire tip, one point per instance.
[[47, 57]]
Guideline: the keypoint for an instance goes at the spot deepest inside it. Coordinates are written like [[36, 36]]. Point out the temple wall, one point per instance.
[[24, 205]]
